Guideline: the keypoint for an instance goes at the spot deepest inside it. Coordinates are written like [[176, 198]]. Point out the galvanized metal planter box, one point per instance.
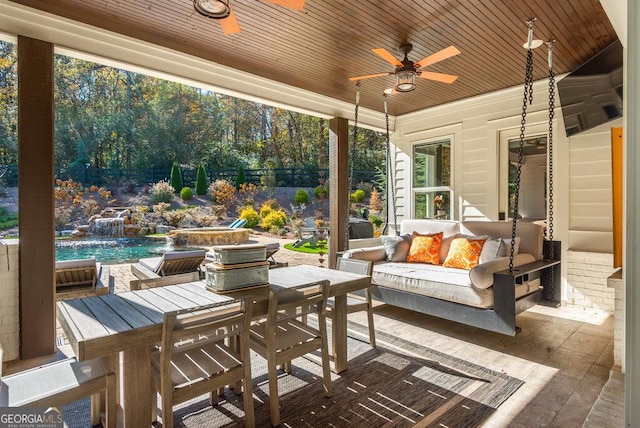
[[233, 254], [230, 277]]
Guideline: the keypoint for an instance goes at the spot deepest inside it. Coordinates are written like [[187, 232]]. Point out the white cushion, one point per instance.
[[78, 263], [481, 276], [447, 227], [184, 254], [151, 263], [373, 254]]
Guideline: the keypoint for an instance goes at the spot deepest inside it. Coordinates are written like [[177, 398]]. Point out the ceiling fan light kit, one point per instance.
[[405, 81], [216, 9]]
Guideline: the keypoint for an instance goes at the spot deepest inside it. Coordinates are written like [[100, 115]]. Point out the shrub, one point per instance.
[[265, 211], [276, 218], [161, 208], [218, 211], [376, 220], [90, 206], [267, 207], [162, 191], [301, 197], [249, 191], [176, 177], [7, 221], [186, 194], [174, 217], [366, 187], [201, 181], [128, 186], [375, 203], [357, 196], [240, 179], [278, 231], [272, 203], [321, 192], [251, 215], [223, 193]]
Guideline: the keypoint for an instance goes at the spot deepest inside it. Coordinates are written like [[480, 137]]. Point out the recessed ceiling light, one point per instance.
[[216, 9]]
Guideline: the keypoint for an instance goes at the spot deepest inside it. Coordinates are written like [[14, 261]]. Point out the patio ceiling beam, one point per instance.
[[95, 44]]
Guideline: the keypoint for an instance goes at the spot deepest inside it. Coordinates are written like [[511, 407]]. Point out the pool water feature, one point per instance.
[[113, 250]]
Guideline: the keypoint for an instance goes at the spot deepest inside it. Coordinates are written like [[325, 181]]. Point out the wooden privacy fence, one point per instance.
[[276, 177]]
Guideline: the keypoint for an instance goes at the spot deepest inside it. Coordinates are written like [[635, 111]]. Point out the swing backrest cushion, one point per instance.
[[530, 234]]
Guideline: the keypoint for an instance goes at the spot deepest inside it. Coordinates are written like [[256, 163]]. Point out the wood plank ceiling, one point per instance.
[[320, 47]]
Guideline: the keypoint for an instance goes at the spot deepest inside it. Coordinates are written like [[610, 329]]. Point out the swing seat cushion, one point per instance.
[[451, 284]]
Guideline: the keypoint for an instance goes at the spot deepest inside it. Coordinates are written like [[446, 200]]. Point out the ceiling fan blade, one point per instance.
[[438, 56], [439, 77], [384, 54], [368, 76], [293, 4], [230, 24]]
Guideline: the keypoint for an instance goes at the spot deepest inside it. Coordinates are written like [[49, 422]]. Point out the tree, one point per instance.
[[176, 177], [240, 178], [201, 181]]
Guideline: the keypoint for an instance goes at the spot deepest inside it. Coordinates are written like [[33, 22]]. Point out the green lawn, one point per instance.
[[306, 248]]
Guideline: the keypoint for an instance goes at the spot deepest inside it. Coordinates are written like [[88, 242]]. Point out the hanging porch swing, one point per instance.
[[501, 317]]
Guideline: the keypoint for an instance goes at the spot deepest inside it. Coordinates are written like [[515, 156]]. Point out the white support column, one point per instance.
[[631, 268]]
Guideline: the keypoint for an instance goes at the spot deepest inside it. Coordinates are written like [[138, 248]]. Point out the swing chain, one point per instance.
[[550, 145], [352, 153], [550, 148], [528, 96], [391, 190]]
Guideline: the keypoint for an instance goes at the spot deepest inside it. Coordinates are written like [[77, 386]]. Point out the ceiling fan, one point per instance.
[[221, 9], [407, 70]]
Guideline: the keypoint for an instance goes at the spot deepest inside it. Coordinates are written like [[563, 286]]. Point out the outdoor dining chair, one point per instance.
[[356, 303], [193, 359], [281, 337], [60, 383]]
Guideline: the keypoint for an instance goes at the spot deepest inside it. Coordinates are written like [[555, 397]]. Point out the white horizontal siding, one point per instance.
[[590, 196]]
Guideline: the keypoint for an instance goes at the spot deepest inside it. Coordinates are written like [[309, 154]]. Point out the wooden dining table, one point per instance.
[[127, 324]]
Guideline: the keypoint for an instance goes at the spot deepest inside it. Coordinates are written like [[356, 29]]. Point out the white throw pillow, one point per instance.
[[396, 247], [493, 248], [516, 249]]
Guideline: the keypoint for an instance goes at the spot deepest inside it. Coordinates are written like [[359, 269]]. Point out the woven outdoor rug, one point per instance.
[[398, 384]]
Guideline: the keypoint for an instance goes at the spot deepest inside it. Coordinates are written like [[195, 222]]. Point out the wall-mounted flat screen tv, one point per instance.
[[592, 94]]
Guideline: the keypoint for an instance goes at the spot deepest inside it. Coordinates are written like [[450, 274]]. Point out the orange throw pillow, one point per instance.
[[464, 253], [425, 248]]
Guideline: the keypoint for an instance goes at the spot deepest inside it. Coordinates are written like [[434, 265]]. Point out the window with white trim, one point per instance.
[[432, 180]]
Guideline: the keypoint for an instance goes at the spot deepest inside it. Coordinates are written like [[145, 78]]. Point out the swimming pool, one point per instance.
[[113, 250]]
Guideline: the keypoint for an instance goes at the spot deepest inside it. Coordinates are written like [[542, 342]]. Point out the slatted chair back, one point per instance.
[[194, 360], [207, 323], [295, 302], [362, 267], [173, 263], [76, 272]]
